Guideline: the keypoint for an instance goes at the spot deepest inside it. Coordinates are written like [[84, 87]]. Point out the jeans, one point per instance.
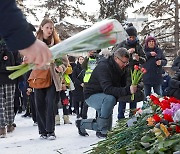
[[102, 103], [156, 88], [122, 108]]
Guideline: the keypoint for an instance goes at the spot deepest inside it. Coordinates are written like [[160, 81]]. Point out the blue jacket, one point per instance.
[[13, 26]]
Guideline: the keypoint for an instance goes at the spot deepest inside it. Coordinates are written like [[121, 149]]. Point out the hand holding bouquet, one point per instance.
[[101, 35], [136, 76]]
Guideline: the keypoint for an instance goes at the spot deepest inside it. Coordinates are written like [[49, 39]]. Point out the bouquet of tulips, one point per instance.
[[136, 76], [101, 35]]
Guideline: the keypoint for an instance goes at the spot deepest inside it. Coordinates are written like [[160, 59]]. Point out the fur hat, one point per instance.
[[131, 30], [149, 38]]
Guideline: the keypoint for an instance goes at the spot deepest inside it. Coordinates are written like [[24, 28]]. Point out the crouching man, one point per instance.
[[107, 83]]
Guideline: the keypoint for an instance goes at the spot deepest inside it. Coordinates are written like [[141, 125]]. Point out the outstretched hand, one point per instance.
[[38, 53]]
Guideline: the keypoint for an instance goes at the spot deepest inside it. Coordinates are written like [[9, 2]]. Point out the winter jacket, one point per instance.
[[174, 86], [58, 77], [7, 58], [107, 78], [14, 27], [138, 50], [78, 75], [154, 72], [176, 64]]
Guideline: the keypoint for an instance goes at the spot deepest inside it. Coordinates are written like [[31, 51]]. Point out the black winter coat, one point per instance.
[[7, 58], [138, 50], [176, 64], [154, 72], [77, 76], [107, 78], [174, 86]]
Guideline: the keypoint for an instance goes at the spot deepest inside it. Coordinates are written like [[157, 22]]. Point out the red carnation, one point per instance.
[[165, 105], [177, 129], [157, 118], [174, 100], [153, 97], [168, 117]]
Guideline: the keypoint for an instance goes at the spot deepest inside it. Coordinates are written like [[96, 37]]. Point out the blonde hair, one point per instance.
[[54, 38]]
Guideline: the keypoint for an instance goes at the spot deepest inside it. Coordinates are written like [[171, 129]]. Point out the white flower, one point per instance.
[[176, 117]]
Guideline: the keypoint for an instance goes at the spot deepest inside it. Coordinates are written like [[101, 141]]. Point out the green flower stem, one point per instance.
[[132, 97], [12, 68], [21, 71]]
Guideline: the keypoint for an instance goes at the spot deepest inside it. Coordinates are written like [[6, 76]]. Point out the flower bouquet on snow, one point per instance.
[[101, 35], [156, 130]]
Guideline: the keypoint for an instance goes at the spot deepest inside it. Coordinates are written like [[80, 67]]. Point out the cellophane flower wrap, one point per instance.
[[101, 35], [136, 76]]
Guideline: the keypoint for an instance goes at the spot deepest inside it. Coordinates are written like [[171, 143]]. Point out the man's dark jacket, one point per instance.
[[107, 78], [138, 50], [174, 86], [13, 26]]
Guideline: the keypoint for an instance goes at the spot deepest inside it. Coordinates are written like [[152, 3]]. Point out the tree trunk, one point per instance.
[[176, 35]]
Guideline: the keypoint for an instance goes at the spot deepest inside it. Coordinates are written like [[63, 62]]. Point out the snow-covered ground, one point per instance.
[[25, 139]]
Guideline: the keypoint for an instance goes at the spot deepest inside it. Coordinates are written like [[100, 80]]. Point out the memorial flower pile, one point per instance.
[[155, 130]]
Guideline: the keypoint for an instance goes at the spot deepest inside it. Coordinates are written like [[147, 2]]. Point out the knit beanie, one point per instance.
[[131, 30], [149, 38]]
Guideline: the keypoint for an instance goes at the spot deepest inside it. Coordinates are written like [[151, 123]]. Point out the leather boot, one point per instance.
[[10, 128], [66, 119], [103, 126], [2, 132]]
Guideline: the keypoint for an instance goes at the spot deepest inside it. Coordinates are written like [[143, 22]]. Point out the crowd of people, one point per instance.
[[100, 80]]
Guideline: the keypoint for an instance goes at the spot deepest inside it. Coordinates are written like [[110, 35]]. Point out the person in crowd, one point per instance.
[[90, 62], [45, 97], [155, 60], [7, 88], [18, 36], [64, 69], [137, 57], [165, 83], [105, 53], [78, 96], [72, 61], [65, 94], [176, 62], [106, 84], [173, 88]]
